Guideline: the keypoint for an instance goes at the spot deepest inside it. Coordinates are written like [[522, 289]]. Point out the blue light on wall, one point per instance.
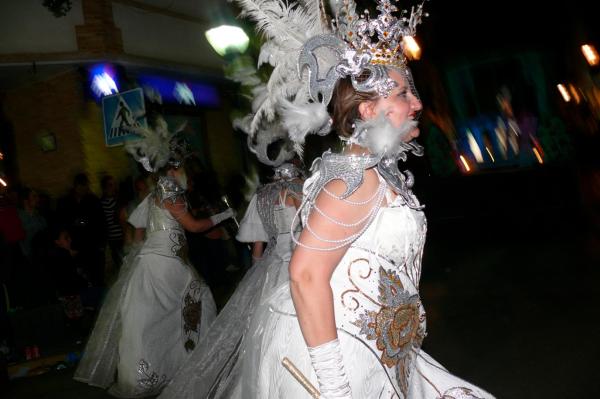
[[103, 78], [177, 91]]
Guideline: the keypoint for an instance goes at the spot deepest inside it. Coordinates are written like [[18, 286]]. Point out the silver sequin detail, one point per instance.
[[400, 182], [287, 171], [149, 380], [321, 89], [167, 188], [348, 168], [459, 393], [351, 63], [378, 81], [266, 198]]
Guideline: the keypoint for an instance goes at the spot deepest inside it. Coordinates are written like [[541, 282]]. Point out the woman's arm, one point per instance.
[[138, 235], [311, 270], [179, 211], [258, 248]]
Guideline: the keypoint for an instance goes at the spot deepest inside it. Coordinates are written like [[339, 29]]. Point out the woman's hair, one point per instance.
[[345, 102]]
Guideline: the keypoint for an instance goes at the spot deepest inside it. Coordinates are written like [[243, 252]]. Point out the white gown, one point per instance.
[[379, 317], [156, 313], [216, 364]]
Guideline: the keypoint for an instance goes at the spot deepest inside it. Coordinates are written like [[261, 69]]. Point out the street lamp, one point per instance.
[[226, 38]]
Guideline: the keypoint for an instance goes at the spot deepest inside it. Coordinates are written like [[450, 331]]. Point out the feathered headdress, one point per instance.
[[309, 55], [270, 132], [157, 146], [282, 104]]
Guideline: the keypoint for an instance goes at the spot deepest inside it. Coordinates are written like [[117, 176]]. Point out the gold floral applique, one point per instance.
[[396, 327], [192, 314]]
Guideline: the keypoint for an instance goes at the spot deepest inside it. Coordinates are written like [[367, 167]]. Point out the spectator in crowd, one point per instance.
[[66, 268], [31, 220], [11, 235], [112, 224], [81, 212]]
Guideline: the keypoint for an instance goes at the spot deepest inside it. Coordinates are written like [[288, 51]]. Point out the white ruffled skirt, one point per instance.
[[217, 364], [154, 315]]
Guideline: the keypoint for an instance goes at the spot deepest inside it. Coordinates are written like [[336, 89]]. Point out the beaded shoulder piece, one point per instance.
[[350, 169], [266, 198], [167, 188]]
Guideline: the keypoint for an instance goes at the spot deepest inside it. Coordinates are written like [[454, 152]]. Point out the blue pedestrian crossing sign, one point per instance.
[[122, 112]]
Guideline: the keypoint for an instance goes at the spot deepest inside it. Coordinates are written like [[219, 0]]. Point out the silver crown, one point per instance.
[[382, 38], [363, 46]]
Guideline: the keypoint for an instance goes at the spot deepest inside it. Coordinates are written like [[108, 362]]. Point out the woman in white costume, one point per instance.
[[268, 220], [159, 309], [351, 320]]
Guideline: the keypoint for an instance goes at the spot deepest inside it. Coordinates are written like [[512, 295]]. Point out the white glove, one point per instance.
[[256, 259], [328, 363], [219, 217]]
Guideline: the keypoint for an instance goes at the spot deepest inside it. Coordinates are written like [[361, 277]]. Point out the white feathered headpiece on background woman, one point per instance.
[[157, 146]]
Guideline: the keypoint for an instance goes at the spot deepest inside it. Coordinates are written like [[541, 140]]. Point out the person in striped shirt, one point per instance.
[[111, 211]]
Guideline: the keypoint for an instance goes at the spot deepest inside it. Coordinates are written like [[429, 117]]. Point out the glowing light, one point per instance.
[[411, 47], [564, 93], [161, 89], [226, 38], [465, 163], [184, 94], [538, 156], [574, 93], [474, 147], [490, 154], [1, 156], [590, 54], [103, 81], [3, 182]]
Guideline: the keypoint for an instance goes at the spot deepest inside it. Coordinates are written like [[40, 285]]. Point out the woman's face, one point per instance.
[[399, 106], [63, 240]]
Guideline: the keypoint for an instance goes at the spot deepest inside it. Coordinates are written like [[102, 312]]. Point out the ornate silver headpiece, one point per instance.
[[364, 47], [297, 35], [382, 38]]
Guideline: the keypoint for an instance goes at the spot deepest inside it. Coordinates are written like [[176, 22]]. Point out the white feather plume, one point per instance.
[[285, 27], [304, 118], [380, 137], [152, 148]]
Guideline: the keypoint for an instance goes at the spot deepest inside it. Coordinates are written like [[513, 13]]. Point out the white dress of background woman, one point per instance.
[[217, 360], [159, 309]]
